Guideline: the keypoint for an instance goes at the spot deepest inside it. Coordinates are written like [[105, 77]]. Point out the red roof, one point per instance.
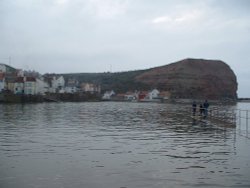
[[19, 80], [30, 79]]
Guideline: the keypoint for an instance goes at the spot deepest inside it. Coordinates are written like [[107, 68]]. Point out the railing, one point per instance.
[[223, 114], [243, 117], [227, 116]]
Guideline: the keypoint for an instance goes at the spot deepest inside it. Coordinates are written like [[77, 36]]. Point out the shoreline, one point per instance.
[[88, 97]]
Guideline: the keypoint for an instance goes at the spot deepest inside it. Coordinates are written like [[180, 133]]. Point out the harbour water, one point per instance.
[[117, 145]]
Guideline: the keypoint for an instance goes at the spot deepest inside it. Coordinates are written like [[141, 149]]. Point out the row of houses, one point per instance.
[[141, 96], [17, 81]]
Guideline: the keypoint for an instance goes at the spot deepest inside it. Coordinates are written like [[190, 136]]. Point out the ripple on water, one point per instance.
[[116, 145]]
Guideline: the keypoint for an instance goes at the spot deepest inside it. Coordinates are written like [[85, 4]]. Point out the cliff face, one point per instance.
[[193, 78]]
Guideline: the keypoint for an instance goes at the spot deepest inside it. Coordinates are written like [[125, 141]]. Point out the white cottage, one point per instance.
[[42, 87], [154, 94], [108, 94], [57, 83]]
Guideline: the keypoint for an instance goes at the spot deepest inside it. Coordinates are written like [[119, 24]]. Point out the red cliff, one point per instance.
[[193, 78]]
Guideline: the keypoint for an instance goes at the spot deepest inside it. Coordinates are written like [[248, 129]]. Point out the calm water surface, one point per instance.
[[117, 145]]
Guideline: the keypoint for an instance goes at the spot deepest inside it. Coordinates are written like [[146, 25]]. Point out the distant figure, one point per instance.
[[201, 109], [205, 105], [194, 108]]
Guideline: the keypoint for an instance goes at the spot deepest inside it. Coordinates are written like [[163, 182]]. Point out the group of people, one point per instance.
[[203, 108]]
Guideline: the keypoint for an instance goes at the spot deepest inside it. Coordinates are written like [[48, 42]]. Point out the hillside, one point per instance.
[[189, 78], [119, 82], [194, 78]]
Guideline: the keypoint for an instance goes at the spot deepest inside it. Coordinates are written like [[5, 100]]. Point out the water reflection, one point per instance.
[[117, 145]]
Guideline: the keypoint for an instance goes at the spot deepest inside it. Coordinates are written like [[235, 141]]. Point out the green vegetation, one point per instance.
[[119, 82]]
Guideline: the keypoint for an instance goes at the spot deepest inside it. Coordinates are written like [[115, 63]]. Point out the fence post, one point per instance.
[[247, 120], [239, 118], [233, 116]]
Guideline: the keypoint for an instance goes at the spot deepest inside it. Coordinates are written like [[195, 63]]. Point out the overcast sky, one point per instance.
[[65, 36]]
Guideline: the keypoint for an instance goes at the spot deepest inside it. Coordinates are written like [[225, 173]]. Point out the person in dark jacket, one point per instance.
[[205, 106], [194, 108], [201, 109]]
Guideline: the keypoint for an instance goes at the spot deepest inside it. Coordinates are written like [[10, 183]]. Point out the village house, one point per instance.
[[8, 77], [108, 95], [130, 96], [10, 82], [148, 96], [70, 89], [2, 81], [141, 95], [42, 87], [18, 81], [71, 86], [90, 88], [56, 83], [29, 85], [19, 85], [154, 94], [165, 95]]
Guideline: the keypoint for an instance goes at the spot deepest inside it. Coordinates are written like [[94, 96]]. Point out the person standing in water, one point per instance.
[[194, 108], [201, 109], [205, 106]]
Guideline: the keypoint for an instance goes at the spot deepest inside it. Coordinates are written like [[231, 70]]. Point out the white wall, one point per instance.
[[30, 88], [59, 82], [70, 89], [154, 94], [41, 87], [18, 88]]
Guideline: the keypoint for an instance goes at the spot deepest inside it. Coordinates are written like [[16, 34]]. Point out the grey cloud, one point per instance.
[[80, 36]]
